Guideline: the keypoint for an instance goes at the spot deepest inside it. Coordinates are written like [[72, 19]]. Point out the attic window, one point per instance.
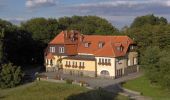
[[119, 48], [86, 44], [101, 44]]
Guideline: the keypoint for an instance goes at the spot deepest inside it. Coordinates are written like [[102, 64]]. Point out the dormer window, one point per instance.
[[86, 44], [119, 48], [52, 49], [101, 44]]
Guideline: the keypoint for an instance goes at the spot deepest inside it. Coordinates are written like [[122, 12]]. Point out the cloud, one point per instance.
[[118, 12], [39, 3]]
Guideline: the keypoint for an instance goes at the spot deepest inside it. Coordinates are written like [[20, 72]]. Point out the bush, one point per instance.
[[10, 76]]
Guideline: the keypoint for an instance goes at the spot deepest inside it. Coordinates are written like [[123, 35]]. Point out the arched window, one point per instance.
[[104, 72]]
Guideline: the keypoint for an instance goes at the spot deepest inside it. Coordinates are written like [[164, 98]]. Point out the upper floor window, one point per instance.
[[87, 44], [119, 48], [101, 44], [61, 49], [135, 61], [131, 47], [99, 60], [129, 62], [52, 49]]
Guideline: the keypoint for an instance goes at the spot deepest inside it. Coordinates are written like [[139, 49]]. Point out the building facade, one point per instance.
[[91, 55]]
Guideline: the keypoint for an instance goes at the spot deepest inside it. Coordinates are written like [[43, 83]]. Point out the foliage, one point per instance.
[[10, 76], [41, 29], [88, 25], [148, 19], [142, 84], [152, 35]]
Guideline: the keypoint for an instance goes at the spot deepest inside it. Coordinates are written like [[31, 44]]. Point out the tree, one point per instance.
[[150, 61], [10, 76], [1, 45], [148, 19], [88, 25], [41, 29]]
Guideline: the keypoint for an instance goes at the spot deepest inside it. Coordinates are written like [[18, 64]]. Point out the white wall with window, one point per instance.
[[110, 69], [61, 49]]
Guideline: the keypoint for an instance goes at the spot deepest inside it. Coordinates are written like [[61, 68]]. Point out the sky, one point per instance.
[[117, 12]]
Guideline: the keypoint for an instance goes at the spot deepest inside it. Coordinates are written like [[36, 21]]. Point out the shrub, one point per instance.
[[10, 76]]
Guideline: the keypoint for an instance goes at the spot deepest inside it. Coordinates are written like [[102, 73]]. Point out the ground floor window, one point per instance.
[[119, 72], [104, 72]]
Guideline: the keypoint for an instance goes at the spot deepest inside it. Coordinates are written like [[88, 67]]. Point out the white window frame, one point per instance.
[[52, 49], [135, 61], [61, 49], [86, 45], [100, 45], [129, 62]]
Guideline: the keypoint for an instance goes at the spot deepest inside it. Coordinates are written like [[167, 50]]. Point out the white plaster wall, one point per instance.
[[110, 69]]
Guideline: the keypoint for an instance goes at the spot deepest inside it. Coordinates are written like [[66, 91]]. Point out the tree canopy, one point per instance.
[[148, 19]]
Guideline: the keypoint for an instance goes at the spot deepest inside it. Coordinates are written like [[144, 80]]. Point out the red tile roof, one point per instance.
[[109, 49], [59, 39]]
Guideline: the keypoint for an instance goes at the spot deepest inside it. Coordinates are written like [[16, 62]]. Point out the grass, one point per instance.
[[55, 91], [143, 85]]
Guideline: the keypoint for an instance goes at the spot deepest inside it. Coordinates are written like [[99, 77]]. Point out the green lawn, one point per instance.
[[55, 91], [143, 85]]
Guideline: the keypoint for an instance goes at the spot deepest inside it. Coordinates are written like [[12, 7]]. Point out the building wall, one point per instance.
[[88, 70], [52, 67], [109, 68], [131, 56]]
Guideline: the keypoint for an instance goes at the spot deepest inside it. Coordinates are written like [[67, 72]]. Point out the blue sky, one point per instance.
[[117, 12]]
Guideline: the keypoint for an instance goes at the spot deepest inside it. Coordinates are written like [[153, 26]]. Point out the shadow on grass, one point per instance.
[[2, 97], [98, 94]]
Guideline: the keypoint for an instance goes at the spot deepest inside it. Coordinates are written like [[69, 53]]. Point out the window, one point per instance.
[[102, 60], [101, 44], [73, 63], [134, 61], [128, 62], [47, 62], [109, 61], [119, 48], [86, 45], [99, 60], [61, 49], [79, 63], [83, 63], [105, 60], [131, 47], [51, 62], [66, 62], [52, 49], [104, 72]]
